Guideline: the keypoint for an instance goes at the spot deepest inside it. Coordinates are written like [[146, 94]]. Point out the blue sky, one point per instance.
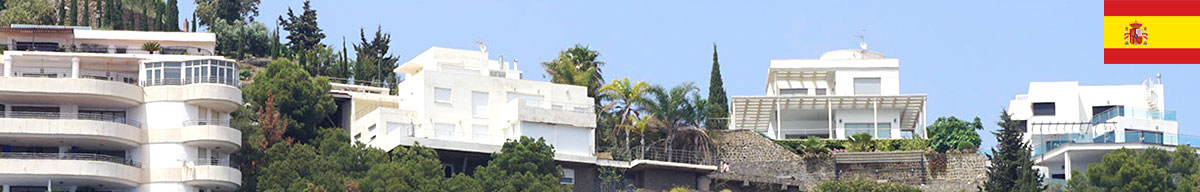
[[970, 57]]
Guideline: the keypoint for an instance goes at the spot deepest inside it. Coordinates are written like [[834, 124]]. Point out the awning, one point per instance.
[[756, 112]]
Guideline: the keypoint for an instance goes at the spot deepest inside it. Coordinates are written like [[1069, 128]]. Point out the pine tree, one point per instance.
[[1012, 168], [303, 31], [74, 12], [718, 107]]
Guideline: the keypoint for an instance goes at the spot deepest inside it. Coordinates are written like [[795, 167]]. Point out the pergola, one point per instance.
[[758, 112]]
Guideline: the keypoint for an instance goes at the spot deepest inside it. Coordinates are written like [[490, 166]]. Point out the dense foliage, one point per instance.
[[950, 133], [844, 145], [373, 63], [35, 12], [862, 185], [718, 106], [210, 12], [300, 98], [238, 40], [1149, 170], [1012, 168], [577, 66], [303, 32]]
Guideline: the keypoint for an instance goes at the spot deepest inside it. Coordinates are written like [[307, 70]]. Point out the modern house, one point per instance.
[[1070, 126], [90, 110], [841, 93], [466, 105]]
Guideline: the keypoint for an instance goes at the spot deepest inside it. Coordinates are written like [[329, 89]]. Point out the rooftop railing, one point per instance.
[[215, 162], [70, 156], [559, 106], [115, 118], [675, 155], [129, 77], [1109, 114], [188, 81], [1131, 136]]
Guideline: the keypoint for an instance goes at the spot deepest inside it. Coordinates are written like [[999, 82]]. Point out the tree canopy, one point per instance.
[[950, 133], [373, 62], [209, 12], [33, 12], [718, 106], [303, 32], [1149, 170], [300, 96], [1012, 168]]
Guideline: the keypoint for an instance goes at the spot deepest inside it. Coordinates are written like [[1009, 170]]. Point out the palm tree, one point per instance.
[[151, 47], [624, 96], [672, 110], [577, 66]]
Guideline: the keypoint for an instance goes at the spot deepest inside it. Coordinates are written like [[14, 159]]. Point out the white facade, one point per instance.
[[842, 93], [1069, 126], [83, 108], [461, 100]]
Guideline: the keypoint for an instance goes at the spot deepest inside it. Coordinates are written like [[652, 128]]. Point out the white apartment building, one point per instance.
[[1070, 126], [462, 101], [89, 110], [841, 93]]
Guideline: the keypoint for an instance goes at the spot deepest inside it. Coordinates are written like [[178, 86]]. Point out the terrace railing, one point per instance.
[[675, 155], [206, 122], [116, 118], [70, 156]]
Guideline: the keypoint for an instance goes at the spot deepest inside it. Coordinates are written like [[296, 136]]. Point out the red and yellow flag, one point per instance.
[[1152, 32]]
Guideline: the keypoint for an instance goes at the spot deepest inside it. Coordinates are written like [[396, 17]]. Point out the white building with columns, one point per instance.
[[1070, 126], [841, 93], [89, 110]]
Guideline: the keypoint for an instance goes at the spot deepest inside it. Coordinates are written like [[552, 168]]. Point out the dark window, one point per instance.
[[1101, 109], [1043, 108], [793, 91], [1022, 125], [821, 91]]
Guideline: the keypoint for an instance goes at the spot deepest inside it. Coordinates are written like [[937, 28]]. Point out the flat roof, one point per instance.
[[756, 112]]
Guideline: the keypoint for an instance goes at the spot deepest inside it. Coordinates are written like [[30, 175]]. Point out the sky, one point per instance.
[[970, 57]]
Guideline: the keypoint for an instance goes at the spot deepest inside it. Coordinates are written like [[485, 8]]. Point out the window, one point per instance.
[[441, 95], [568, 177], [1043, 109], [188, 72], [479, 132], [443, 130], [856, 128], [793, 91], [479, 104], [866, 86], [1097, 110], [821, 91]]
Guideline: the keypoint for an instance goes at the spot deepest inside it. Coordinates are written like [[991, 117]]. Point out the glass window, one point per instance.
[[866, 86], [821, 91], [1046, 108], [856, 128], [793, 91], [479, 104], [441, 95], [568, 177]]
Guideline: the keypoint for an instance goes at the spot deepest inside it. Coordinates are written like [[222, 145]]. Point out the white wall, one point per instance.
[[565, 139]]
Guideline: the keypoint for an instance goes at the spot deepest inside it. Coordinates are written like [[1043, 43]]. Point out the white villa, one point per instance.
[[841, 93], [1070, 126], [84, 109]]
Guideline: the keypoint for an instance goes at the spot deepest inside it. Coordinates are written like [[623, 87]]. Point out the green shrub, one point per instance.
[[861, 143], [833, 145], [862, 185], [812, 147]]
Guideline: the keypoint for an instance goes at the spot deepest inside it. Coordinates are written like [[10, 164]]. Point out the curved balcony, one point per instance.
[[81, 127], [215, 174], [103, 93], [210, 134], [73, 167], [219, 95]]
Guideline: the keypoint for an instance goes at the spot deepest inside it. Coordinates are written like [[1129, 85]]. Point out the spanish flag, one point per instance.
[[1152, 32]]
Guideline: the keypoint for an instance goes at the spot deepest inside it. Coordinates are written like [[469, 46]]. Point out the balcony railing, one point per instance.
[[559, 106], [50, 72], [70, 156], [675, 155], [1131, 136], [1133, 113], [187, 81], [215, 162], [116, 118], [206, 122]]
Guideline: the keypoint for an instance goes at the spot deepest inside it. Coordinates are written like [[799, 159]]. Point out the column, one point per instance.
[[1067, 164], [8, 71], [5, 188], [778, 121], [924, 120], [875, 121], [829, 104], [75, 67]]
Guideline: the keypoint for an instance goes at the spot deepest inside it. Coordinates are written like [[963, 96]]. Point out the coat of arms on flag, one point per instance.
[[1135, 34]]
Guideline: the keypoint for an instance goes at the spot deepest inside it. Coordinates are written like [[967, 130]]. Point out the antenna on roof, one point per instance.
[[862, 39], [482, 47]]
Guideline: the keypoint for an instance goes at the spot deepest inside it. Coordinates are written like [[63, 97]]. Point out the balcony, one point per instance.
[[1130, 136], [1137, 113], [90, 168], [88, 126], [210, 134], [202, 172], [578, 115], [92, 88], [214, 93]]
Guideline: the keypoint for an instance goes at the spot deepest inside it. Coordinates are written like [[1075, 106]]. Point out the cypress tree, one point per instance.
[[62, 12], [718, 106], [74, 12], [172, 15], [87, 16], [1012, 168]]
